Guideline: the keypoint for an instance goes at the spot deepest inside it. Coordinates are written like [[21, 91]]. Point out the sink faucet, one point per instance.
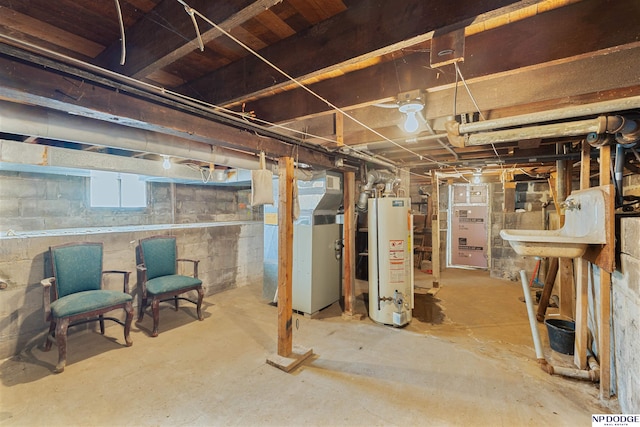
[[570, 205]]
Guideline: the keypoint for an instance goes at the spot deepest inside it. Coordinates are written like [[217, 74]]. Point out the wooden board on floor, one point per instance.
[[298, 355]]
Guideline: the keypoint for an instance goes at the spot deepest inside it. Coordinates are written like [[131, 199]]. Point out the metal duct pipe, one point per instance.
[[353, 153], [48, 58], [23, 120], [618, 174], [374, 177]]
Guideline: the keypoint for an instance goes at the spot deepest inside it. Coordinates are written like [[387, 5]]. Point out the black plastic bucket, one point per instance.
[[562, 334]]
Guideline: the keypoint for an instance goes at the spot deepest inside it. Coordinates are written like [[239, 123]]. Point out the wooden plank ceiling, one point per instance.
[[353, 57]]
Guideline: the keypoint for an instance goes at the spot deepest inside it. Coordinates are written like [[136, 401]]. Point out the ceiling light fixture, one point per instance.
[[166, 164], [411, 109], [477, 176]]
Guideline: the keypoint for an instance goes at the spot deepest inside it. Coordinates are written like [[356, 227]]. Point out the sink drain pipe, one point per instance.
[[592, 374]]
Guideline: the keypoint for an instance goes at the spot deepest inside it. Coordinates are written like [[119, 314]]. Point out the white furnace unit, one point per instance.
[[390, 260], [317, 245]]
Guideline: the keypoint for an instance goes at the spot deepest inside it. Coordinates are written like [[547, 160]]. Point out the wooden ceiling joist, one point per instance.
[[153, 46], [366, 30], [543, 45]]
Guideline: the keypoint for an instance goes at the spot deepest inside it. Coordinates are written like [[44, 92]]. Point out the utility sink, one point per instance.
[[584, 224]]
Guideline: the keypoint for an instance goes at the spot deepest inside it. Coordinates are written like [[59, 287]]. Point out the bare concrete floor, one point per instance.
[[466, 359]]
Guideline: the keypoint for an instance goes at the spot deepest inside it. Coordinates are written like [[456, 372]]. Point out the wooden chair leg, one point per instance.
[[61, 341], [47, 339], [143, 305], [101, 324], [175, 301], [199, 305], [128, 308], [155, 307]]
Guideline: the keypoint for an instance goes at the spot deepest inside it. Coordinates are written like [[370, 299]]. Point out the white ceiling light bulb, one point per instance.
[[411, 109], [166, 164], [477, 176]]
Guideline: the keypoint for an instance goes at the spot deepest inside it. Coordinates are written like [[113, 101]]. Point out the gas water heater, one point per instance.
[[390, 260]]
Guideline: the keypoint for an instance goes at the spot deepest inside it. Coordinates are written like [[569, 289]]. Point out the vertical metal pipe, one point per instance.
[[562, 171], [618, 172], [532, 317]]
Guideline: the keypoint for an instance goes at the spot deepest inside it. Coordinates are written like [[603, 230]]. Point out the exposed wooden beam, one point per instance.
[[32, 30], [549, 39], [367, 29], [34, 85], [581, 79], [152, 46]]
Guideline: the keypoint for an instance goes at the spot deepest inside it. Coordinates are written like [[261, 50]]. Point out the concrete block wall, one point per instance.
[[30, 202], [505, 263], [33, 201], [196, 203], [626, 317]]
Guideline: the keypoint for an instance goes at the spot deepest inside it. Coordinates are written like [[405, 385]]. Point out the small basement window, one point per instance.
[[117, 190]]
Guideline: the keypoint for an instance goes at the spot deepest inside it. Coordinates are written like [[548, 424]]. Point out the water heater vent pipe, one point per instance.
[[375, 177]]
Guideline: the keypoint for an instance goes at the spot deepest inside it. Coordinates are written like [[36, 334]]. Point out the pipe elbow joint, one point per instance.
[[361, 205], [547, 367], [453, 133]]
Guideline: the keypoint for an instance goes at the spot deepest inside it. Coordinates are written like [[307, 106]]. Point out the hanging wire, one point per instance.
[[455, 94], [191, 12], [304, 87], [464, 82], [123, 53], [458, 72]]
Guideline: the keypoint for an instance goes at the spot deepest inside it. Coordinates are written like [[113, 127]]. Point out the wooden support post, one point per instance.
[[565, 276], [604, 325], [285, 255], [435, 229], [349, 233], [582, 276], [339, 128], [288, 356], [549, 281], [509, 188], [566, 287]]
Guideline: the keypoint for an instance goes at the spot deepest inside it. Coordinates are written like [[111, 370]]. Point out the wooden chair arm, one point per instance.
[[195, 265], [125, 278], [46, 284]]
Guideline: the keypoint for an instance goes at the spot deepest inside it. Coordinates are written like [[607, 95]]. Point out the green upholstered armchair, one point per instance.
[[158, 278], [74, 295]]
